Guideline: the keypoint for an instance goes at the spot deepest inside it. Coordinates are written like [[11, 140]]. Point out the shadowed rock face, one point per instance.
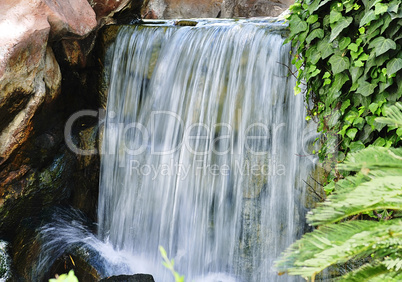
[[31, 81], [44, 77], [158, 9]]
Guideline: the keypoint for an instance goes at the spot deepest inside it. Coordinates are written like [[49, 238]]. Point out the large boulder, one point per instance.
[[168, 9], [29, 73], [37, 95]]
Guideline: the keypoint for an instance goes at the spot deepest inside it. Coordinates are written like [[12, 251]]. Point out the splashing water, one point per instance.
[[203, 153], [201, 149]]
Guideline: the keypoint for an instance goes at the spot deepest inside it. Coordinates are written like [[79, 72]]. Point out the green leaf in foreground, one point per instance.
[[339, 26], [394, 66], [339, 63], [297, 25], [382, 45]]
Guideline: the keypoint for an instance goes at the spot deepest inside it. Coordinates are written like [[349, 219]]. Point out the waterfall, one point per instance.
[[203, 150]]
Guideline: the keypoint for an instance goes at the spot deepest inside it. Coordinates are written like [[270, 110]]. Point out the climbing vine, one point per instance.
[[349, 60]]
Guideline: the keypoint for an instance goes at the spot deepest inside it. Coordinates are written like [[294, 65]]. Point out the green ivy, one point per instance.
[[348, 53]]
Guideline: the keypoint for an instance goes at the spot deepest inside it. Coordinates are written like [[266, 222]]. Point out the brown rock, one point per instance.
[[69, 18], [255, 8], [28, 70], [192, 8], [107, 8], [158, 9]]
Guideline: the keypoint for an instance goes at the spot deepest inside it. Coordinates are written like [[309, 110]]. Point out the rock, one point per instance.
[[129, 278], [30, 77], [254, 8], [4, 261], [28, 69], [168, 9], [107, 8]]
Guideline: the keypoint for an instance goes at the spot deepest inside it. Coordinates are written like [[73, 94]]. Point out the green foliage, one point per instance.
[[361, 219], [349, 53], [70, 277], [169, 264]]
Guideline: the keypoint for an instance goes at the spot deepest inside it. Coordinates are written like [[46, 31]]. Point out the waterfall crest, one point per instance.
[[203, 150]]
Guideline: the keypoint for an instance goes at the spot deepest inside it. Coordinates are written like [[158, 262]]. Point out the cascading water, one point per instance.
[[203, 150]]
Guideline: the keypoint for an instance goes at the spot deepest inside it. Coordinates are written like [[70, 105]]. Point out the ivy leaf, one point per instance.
[[353, 47], [387, 21], [351, 133], [380, 8], [393, 6], [359, 63], [356, 73], [359, 123], [325, 47], [316, 4], [368, 17], [312, 55], [297, 25], [399, 132], [316, 33], [393, 66], [339, 81], [339, 26], [334, 92], [345, 105], [334, 16], [373, 107], [302, 37], [365, 88], [339, 63], [382, 45], [385, 85], [356, 146], [363, 57], [344, 42], [356, 54], [312, 19]]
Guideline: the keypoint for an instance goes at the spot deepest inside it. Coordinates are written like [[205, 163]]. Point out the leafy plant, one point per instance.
[[361, 220], [169, 264], [70, 277], [349, 55]]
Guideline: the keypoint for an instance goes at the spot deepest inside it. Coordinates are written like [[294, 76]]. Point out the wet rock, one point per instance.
[[4, 261], [169, 9], [185, 23], [80, 260], [129, 278], [254, 8], [107, 8]]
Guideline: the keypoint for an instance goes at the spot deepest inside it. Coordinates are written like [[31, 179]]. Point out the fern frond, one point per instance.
[[393, 115], [373, 158], [336, 243], [368, 272], [377, 185], [394, 264], [379, 193]]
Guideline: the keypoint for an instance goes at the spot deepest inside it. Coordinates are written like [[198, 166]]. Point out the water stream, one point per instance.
[[203, 153], [203, 150]]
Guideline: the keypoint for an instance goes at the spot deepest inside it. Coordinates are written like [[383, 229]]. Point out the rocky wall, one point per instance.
[[169, 9]]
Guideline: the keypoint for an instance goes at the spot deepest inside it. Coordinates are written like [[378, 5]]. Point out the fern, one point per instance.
[[376, 190]]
